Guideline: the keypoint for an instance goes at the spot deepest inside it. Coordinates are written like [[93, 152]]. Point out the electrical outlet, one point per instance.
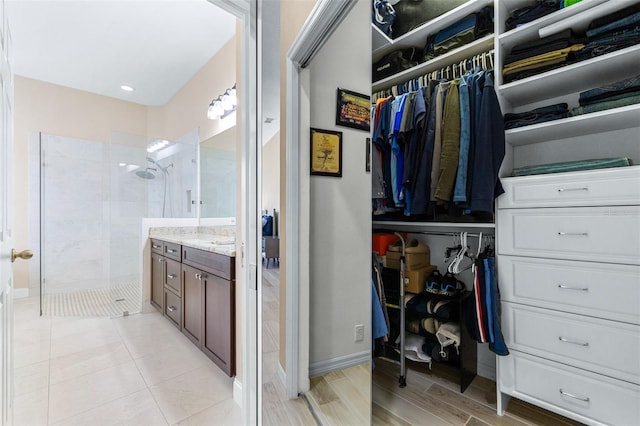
[[359, 333]]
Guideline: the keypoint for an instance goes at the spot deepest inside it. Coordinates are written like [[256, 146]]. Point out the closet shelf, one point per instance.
[[597, 122], [464, 52], [530, 30], [382, 44], [433, 226], [573, 78]]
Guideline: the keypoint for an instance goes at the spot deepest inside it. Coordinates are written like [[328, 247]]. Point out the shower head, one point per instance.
[[146, 174]]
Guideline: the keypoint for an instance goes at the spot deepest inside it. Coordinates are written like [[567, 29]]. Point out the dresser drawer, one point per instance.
[[173, 251], [217, 264], [173, 276], [597, 289], [618, 186], [157, 246], [600, 234], [584, 396], [172, 309], [602, 346]]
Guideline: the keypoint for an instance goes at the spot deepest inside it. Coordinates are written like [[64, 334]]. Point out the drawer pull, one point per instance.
[[563, 393], [161, 260], [170, 251], [171, 276], [566, 287], [573, 342], [155, 246], [171, 308], [573, 234], [572, 189]]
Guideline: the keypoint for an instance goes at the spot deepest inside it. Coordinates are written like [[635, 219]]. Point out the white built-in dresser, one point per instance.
[[569, 243]]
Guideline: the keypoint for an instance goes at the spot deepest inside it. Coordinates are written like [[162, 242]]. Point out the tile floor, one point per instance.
[[135, 370]]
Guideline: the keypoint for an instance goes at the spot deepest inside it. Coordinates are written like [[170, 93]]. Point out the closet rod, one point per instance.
[[483, 60], [450, 234]]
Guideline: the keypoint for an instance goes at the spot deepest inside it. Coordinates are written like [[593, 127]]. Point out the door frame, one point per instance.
[[250, 387], [325, 17]]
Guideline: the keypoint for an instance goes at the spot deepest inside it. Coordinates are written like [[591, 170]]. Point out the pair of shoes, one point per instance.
[[447, 285]]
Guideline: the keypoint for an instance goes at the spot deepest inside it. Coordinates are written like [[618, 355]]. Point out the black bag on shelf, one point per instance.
[[411, 14], [396, 61], [464, 31]]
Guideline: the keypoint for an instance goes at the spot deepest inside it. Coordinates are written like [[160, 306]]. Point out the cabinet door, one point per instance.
[[219, 327], [192, 301], [157, 281]]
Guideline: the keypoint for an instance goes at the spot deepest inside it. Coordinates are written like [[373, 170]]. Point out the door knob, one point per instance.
[[24, 254]]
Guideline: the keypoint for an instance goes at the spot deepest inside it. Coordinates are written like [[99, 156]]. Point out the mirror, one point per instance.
[[218, 175]]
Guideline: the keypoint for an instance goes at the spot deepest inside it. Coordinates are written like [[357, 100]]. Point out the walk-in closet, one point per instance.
[[505, 211]]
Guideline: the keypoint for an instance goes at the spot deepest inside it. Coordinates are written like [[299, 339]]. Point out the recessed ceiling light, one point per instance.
[[122, 164], [126, 88]]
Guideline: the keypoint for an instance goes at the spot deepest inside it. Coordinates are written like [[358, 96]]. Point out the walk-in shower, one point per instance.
[[92, 198]]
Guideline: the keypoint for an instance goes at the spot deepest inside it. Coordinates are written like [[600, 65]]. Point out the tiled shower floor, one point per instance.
[[100, 302]]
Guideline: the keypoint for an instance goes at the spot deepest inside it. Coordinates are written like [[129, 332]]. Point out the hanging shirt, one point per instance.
[[437, 142], [459, 191], [450, 145]]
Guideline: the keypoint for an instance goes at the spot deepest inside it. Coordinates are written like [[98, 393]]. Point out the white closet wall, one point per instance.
[[339, 222]]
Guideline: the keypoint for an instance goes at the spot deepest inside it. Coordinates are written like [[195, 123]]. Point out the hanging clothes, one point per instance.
[[440, 147]]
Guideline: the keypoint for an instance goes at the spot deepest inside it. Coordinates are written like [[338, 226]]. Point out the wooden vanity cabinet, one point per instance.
[[208, 291], [195, 290], [157, 274]]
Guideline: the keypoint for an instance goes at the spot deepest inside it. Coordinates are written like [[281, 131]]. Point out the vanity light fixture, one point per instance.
[[127, 88], [157, 145], [223, 105]]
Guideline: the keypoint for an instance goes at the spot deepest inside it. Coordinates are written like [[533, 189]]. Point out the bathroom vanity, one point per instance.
[[193, 285]]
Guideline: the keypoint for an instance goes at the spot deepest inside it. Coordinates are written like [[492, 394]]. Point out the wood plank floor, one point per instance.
[[433, 397], [358, 396]]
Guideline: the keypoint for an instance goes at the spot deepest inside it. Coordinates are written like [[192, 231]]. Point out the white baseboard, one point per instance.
[[340, 363], [20, 293], [237, 392], [282, 375]]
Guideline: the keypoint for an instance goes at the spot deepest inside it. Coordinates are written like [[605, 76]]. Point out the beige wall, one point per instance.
[[188, 108], [57, 110], [293, 14]]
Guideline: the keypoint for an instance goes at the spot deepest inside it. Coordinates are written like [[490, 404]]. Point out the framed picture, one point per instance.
[[353, 110], [326, 153]]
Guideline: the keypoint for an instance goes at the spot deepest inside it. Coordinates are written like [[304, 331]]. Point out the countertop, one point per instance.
[[213, 243]]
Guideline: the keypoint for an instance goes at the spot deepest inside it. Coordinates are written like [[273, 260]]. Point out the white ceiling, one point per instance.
[[155, 46]]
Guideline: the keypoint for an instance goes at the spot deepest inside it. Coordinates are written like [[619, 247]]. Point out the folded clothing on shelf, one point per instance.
[[540, 46], [606, 104], [615, 95], [604, 35], [572, 166], [629, 85], [535, 116], [612, 32], [540, 63], [530, 13]]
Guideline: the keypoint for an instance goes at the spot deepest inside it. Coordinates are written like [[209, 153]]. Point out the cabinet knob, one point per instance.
[[161, 260], [171, 308], [198, 276], [171, 276], [170, 251], [155, 246]]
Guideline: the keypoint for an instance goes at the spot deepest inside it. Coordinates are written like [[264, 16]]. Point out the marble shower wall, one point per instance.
[[92, 210]]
